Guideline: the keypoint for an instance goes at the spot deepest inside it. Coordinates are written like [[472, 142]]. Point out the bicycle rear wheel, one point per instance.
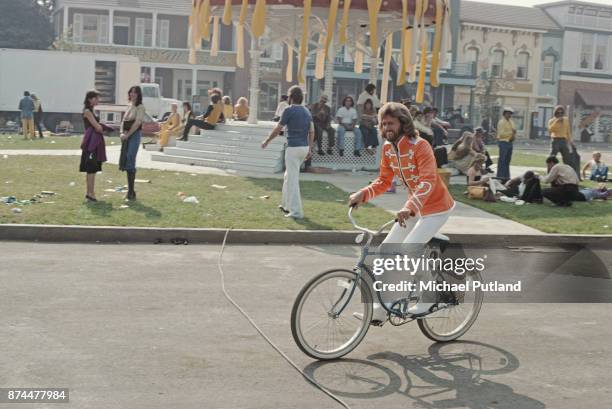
[[451, 322], [317, 328]]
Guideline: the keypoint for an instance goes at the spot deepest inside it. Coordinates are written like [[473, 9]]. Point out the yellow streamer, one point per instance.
[[420, 96], [289, 72], [384, 86], [401, 78], [196, 37], [331, 25], [214, 46], [373, 8], [205, 20], [227, 13], [304, 41], [344, 22], [258, 23], [435, 54], [244, 8]]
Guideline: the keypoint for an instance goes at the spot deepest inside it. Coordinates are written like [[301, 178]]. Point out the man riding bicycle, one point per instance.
[[410, 158]]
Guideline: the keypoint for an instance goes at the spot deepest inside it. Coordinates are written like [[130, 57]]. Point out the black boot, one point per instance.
[[131, 177]]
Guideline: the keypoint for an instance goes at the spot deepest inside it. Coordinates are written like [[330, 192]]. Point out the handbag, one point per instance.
[[477, 192]]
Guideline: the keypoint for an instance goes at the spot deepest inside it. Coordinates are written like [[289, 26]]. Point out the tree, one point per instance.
[[26, 24]]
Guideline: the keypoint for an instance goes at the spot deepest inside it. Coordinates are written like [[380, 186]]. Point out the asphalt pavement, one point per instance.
[[147, 326]]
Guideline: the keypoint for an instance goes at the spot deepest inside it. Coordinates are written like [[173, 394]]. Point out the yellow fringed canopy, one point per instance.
[[412, 16]]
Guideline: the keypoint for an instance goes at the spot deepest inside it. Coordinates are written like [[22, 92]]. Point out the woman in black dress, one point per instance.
[[93, 147]]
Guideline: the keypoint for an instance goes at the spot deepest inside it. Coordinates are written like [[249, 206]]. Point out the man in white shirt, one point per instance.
[[564, 183], [369, 93], [347, 117]]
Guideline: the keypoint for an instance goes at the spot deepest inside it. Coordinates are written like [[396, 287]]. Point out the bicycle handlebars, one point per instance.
[[363, 229]]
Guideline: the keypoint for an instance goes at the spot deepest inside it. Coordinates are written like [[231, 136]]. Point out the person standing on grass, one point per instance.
[[300, 138], [131, 132], [93, 147], [38, 115], [506, 133], [561, 135], [26, 106]]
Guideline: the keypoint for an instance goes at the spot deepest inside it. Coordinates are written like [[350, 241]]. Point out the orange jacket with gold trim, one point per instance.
[[413, 162]]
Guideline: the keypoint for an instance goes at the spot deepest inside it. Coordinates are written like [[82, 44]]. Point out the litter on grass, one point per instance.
[[191, 199], [142, 181], [16, 210], [218, 186]]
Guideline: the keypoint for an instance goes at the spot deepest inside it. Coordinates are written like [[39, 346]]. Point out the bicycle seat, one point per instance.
[[441, 240]]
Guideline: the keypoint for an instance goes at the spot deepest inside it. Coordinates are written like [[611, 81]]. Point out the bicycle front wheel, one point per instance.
[[450, 323], [318, 328]]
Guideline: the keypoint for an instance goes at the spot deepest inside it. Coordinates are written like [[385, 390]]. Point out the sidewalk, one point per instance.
[[464, 219]]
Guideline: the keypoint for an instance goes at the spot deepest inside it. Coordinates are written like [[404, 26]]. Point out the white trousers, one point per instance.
[[292, 201], [418, 230], [409, 241]]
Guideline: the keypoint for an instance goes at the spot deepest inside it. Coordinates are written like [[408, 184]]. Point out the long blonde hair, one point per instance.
[[399, 111]]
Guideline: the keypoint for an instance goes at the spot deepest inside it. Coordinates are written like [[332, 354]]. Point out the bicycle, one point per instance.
[[328, 300]]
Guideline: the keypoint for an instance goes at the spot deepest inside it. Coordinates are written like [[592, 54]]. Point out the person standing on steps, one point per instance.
[[131, 132], [410, 158], [300, 138]]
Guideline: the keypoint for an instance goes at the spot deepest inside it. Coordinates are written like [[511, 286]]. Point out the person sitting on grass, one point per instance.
[[564, 183], [479, 147], [462, 154], [474, 173], [208, 120], [526, 188], [599, 170]]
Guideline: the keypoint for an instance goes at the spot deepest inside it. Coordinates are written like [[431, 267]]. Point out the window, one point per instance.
[[163, 33], [586, 51], [90, 28], [498, 64], [144, 32], [121, 30], [548, 72], [471, 55], [601, 52], [522, 65], [273, 52]]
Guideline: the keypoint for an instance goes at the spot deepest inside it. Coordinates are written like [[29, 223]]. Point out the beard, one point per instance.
[[391, 135]]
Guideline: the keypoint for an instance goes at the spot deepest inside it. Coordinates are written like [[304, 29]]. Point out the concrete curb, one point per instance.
[[148, 235]]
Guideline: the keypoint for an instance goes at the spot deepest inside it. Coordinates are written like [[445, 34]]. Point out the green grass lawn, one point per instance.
[[581, 218], [239, 205], [521, 158], [15, 141]]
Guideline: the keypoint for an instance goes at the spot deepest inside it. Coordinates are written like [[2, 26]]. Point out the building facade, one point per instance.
[[506, 45], [585, 76], [156, 32]]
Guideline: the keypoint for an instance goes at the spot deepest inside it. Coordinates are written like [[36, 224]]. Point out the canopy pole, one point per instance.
[[329, 74], [374, 69], [255, 53]]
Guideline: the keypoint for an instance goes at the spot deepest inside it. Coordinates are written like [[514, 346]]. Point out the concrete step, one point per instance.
[[263, 158], [225, 139], [213, 163], [228, 146]]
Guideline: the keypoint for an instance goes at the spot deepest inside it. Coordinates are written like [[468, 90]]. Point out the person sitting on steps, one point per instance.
[[208, 120]]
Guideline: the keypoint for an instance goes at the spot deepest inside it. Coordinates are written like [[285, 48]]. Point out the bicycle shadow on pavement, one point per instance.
[[451, 375]]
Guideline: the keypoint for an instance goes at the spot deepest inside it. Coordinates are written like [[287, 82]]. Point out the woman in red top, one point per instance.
[[411, 159]]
